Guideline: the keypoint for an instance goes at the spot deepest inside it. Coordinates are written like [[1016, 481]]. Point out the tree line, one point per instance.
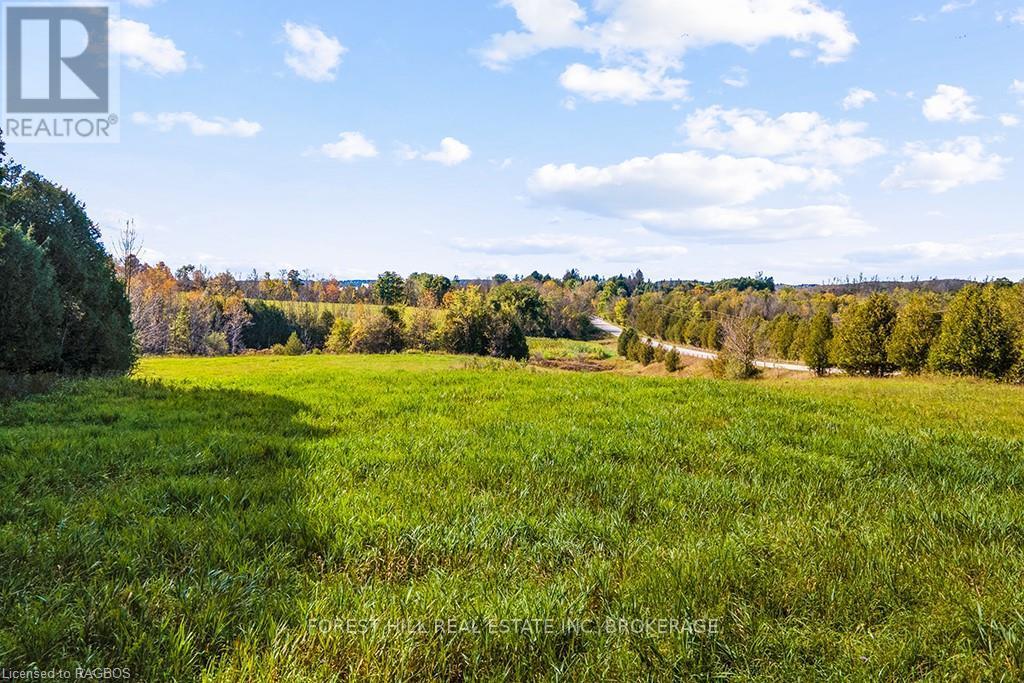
[[977, 330], [192, 312]]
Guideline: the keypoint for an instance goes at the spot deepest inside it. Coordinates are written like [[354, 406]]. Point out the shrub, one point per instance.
[[294, 346], [672, 360], [506, 338], [421, 332], [216, 344], [741, 345], [975, 338], [625, 339], [467, 318], [863, 334], [340, 338], [29, 306], [817, 343], [378, 333], [917, 325]]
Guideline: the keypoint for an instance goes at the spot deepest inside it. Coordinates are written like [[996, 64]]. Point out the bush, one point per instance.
[[340, 338], [216, 344], [742, 343], [863, 335], [975, 338], [672, 360], [506, 338], [624, 341], [29, 306], [421, 332], [467, 319], [917, 325], [294, 346], [378, 333]]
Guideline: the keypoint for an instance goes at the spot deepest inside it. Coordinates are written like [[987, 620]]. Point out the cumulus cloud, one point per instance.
[[661, 32], [641, 42], [796, 136], [1009, 120], [312, 54], [856, 98], [624, 84], [452, 152], [217, 126], [142, 50], [689, 193], [950, 103], [351, 145], [679, 179], [949, 165]]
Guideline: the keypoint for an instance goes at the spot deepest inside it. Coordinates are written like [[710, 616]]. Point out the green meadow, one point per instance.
[[422, 517]]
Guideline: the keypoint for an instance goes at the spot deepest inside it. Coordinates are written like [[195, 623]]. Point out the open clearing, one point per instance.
[[196, 518]]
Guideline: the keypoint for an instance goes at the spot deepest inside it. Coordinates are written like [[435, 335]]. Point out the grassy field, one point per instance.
[[275, 518]]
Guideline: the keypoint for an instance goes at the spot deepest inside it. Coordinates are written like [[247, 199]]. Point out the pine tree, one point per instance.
[[819, 339]]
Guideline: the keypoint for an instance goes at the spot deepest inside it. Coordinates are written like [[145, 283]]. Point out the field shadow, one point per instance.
[[149, 526]]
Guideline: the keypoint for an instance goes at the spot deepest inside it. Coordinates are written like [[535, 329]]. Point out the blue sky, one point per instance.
[[806, 139]]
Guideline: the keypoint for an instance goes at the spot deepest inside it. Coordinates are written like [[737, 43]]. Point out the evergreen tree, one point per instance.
[[95, 329], [862, 335], [917, 325], [30, 308], [975, 338], [819, 339]]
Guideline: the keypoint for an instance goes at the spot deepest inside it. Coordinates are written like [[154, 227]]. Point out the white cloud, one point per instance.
[[950, 103], [217, 126], [951, 164], [587, 247], [693, 194], [736, 77], [856, 98], [142, 50], [142, 3], [676, 180], [642, 42], [313, 55], [988, 255], [1009, 120], [1017, 88], [661, 32], [624, 84], [351, 145], [956, 5], [758, 225], [796, 136], [452, 152]]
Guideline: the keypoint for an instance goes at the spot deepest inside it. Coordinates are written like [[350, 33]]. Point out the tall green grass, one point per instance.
[[191, 522]]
